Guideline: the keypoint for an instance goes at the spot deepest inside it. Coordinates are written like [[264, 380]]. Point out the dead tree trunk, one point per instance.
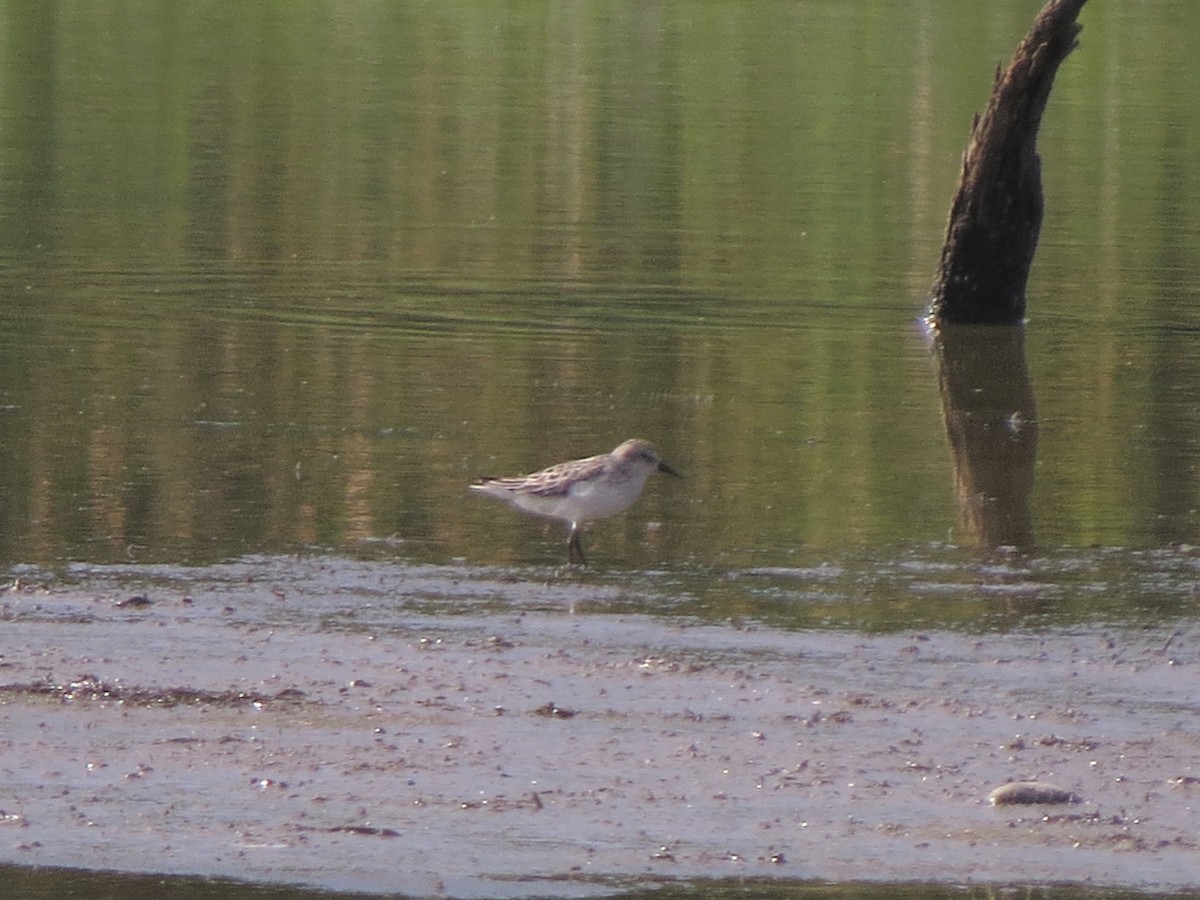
[[997, 212]]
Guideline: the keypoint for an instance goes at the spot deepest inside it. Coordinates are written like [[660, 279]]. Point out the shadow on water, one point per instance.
[[26, 884], [991, 422]]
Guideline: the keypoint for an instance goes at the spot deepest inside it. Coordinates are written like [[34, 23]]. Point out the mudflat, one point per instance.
[[241, 726]]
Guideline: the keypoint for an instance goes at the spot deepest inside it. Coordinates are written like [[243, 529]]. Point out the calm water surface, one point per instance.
[[289, 284], [285, 281]]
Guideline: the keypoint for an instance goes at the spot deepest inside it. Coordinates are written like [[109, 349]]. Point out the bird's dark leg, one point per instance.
[[575, 546]]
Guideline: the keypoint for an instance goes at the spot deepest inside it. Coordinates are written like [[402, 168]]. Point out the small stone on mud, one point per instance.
[[554, 711], [1028, 792]]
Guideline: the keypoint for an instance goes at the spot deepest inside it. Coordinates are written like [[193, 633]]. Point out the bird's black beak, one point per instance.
[[663, 467]]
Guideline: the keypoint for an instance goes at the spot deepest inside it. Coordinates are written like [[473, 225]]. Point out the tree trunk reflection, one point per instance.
[[991, 421]]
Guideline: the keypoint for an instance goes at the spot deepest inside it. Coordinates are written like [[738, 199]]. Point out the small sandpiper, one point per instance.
[[583, 489]]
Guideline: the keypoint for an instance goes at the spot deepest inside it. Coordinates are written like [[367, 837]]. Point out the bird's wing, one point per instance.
[[555, 481]]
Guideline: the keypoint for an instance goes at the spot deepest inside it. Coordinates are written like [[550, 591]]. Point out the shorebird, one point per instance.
[[581, 490]]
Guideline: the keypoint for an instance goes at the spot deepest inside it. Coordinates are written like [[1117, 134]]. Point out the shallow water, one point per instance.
[[275, 288], [935, 587]]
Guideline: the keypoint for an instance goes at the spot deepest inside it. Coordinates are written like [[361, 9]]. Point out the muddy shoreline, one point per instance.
[[216, 730]]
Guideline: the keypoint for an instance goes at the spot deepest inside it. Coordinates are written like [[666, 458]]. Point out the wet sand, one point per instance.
[[218, 730]]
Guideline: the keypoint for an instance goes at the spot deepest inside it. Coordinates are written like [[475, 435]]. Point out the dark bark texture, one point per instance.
[[997, 212]]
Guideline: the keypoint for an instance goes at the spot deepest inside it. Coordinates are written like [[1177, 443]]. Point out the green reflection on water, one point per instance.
[[289, 277]]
